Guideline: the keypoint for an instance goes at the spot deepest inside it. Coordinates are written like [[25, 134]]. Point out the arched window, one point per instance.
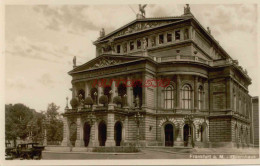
[[81, 93], [186, 97], [169, 97], [200, 97]]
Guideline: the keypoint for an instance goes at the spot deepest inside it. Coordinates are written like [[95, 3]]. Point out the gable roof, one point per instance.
[[105, 60], [163, 20]]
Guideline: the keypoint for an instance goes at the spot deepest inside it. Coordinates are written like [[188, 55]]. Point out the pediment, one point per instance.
[[104, 61], [140, 25]]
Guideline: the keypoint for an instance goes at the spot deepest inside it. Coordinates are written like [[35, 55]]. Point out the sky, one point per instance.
[[41, 41]]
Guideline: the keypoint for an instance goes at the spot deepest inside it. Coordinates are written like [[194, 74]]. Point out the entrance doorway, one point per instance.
[[168, 130], [188, 131], [118, 133], [204, 132], [87, 130], [102, 133]]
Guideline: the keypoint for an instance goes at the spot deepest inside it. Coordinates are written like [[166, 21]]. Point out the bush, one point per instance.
[[103, 100], [117, 100], [74, 103], [89, 101]]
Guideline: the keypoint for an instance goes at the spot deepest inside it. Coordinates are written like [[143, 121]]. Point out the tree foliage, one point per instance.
[[54, 132]]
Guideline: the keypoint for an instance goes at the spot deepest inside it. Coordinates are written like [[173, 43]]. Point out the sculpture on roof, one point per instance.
[[187, 9], [74, 61], [141, 9], [102, 32]]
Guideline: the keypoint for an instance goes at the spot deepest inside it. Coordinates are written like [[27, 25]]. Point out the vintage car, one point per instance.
[[8, 151], [28, 151]]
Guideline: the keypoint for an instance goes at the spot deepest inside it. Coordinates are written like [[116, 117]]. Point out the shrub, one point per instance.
[[89, 101], [103, 100], [74, 103], [117, 100]]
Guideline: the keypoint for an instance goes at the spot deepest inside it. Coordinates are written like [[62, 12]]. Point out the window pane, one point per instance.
[[169, 37], [177, 35]]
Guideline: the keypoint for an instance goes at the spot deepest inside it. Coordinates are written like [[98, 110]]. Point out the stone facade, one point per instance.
[[176, 84], [255, 118]]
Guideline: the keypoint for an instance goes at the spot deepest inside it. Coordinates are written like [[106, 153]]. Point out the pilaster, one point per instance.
[[66, 133], [196, 92], [110, 129], [178, 91], [79, 141]]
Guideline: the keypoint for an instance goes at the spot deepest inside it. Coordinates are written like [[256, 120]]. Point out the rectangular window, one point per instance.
[[153, 41], [118, 49], [139, 44], [132, 45], [177, 35], [169, 37], [161, 39]]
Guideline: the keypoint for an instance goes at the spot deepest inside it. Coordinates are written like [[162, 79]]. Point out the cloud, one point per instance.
[[18, 83], [46, 80], [23, 47]]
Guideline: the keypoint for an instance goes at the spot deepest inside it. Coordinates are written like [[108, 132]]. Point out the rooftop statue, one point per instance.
[[74, 61], [141, 9], [187, 9], [102, 32]]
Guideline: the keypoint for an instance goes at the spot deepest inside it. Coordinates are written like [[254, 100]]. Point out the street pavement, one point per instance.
[[144, 154]]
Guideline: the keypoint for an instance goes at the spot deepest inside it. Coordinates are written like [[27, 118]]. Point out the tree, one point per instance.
[[55, 125], [17, 118]]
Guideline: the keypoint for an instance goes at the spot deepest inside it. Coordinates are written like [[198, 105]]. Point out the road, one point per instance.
[[144, 154]]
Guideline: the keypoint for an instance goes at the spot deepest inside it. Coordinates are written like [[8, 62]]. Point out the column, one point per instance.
[[99, 93], [79, 141], [126, 129], [110, 129], [87, 90], [128, 91], [66, 133], [196, 92], [113, 88], [92, 139], [179, 141], [144, 90], [229, 93], [178, 91]]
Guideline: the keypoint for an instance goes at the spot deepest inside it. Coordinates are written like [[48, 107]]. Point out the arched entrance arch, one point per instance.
[[93, 94], [107, 90], [137, 91], [102, 133], [188, 130], [204, 132], [122, 92], [169, 134], [118, 133], [82, 93], [87, 130]]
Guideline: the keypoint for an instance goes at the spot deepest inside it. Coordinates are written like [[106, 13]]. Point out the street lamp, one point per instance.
[[45, 123], [189, 120], [67, 107], [138, 118]]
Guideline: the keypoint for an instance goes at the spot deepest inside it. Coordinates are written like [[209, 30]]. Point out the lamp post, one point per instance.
[[189, 120], [67, 100], [45, 122], [138, 118]]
